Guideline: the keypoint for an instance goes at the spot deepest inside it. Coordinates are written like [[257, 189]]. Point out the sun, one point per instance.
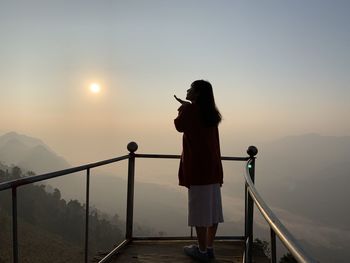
[[95, 87]]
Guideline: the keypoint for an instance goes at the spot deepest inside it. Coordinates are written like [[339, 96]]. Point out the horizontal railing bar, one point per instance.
[[115, 251], [184, 238], [173, 156], [226, 158], [42, 177], [157, 156], [281, 231]]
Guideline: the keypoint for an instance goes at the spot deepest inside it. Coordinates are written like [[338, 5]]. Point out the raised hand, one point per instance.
[[180, 100]]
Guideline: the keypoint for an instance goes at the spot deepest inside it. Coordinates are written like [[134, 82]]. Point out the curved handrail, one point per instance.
[[285, 236]]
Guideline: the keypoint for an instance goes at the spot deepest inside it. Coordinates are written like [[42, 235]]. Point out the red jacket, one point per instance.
[[200, 159]]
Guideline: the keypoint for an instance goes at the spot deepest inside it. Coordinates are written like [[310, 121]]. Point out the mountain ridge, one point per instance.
[[29, 153]]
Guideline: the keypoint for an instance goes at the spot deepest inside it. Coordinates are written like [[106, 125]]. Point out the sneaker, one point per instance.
[[210, 252], [193, 252]]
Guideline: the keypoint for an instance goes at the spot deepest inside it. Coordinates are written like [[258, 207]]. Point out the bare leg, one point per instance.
[[211, 235], [202, 237]]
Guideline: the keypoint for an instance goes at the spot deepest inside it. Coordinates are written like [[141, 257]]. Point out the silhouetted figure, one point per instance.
[[200, 165]]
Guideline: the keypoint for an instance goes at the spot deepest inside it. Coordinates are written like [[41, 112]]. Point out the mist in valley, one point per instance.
[[302, 178]]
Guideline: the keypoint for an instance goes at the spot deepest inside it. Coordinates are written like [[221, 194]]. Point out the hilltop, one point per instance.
[[29, 153]]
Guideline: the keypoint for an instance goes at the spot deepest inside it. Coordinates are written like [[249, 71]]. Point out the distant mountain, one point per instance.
[[29, 153], [28, 141], [303, 156]]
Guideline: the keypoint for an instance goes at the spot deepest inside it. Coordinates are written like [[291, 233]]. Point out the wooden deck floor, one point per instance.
[[167, 251]]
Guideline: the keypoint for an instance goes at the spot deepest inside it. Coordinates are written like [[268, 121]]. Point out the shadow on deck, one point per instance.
[[159, 251]]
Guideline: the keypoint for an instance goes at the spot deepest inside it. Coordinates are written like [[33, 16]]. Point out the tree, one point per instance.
[[263, 247], [56, 194], [16, 172], [288, 258], [30, 173]]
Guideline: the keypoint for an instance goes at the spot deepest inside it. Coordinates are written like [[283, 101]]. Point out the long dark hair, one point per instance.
[[205, 99]]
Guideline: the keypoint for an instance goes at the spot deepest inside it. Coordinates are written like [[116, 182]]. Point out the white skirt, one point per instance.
[[204, 205]]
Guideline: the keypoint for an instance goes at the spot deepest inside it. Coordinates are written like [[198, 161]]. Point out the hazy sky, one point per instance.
[[277, 67]]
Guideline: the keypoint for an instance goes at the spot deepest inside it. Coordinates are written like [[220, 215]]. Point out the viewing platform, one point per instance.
[[162, 251], [228, 248]]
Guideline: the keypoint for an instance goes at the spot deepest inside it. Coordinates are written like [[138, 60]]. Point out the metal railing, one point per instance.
[[251, 197], [34, 179], [276, 227]]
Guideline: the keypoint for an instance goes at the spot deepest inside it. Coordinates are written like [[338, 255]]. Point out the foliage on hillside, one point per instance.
[[263, 247], [48, 223], [288, 258], [36, 245]]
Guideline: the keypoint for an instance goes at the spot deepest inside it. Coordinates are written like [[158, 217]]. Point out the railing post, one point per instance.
[[245, 222], [248, 255], [87, 202], [132, 147], [273, 245], [14, 225]]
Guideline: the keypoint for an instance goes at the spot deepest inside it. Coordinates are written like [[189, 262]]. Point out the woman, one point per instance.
[[200, 166]]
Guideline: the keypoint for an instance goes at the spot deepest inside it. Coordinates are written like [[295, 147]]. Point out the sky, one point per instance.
[[278, 68]]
